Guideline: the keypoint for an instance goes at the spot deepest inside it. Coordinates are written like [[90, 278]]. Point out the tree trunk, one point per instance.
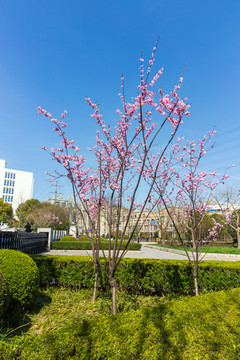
[[94, 298], [238, 237], [114, 295], [195, 277], [193, 239]]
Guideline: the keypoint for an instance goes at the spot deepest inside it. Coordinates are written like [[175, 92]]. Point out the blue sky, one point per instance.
[[53, 53]]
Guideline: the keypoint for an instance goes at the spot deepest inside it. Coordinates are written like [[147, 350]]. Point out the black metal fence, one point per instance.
[[29, 243]]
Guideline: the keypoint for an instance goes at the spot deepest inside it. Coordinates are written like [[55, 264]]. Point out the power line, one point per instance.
[[56, 193]]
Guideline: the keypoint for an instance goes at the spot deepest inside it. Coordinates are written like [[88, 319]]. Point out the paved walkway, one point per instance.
[[209, 256], [149, 251]]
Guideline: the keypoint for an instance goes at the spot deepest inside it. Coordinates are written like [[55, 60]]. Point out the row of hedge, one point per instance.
[[86, 245], [203, 328], [137, 276]]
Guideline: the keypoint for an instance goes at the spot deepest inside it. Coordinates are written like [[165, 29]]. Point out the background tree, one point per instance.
[[24, 210], [6, 212], [229, 203], [225, 231], [200, 229], [233, 221], [162, 221], [49, 215], [109, 214]]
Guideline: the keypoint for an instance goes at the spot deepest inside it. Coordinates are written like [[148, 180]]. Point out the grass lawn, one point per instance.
[[209, 249], [65, 325]]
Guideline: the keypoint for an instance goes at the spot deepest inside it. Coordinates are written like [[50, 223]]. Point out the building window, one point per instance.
[[13, 183], [5, 182], [4, 190], [13, 175], [5, 174]]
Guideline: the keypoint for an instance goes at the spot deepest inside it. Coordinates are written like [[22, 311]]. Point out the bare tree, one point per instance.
[[229, 203], [163, 220]]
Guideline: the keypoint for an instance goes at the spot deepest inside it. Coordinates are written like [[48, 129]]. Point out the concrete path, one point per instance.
[[206, 256], [149, 251], [145, 253]]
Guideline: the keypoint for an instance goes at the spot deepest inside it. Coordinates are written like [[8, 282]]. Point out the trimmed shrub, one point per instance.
[[83, 238], [68, 238], [86, 245], [21, 275], [4, 295], [139, 276]]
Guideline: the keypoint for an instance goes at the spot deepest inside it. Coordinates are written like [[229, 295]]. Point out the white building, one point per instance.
[[16, 186], [59, 200]]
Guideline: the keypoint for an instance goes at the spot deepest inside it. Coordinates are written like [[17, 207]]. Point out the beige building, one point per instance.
[[147, 224]]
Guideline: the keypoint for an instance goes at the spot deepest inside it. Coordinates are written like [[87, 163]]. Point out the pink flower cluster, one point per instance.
[[179, 176], [124, 153]]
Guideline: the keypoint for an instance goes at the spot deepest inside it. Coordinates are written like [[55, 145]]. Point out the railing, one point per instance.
[[58, 234], [29, 243], [53, 235]]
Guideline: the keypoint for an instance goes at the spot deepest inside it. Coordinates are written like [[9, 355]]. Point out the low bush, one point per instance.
[[86, 245], [83, 238], [203, 328], [21, 275], [139, 276], [68, 238]]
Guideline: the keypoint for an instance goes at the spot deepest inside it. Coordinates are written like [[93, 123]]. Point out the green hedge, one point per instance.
[[4, 295], [86, 245], [203, 328], [136, 276], [21, 275]]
